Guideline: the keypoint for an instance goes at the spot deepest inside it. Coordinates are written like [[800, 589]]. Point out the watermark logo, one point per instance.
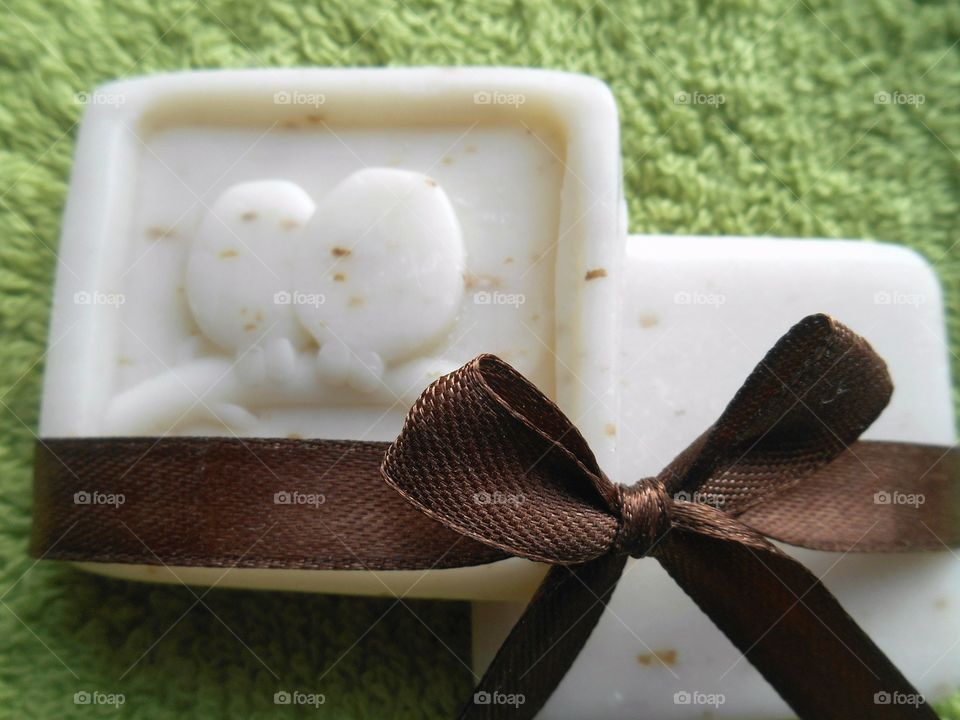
[[712, 499], [885, 497], [486, 297], [298, 97], [685, 697], [84, 297], [898, 98], [496, 97], [898, 698], [95, 497], [898, 297], [95, 697], [498, 498], [99, 98], [293, 497], [299, 298], [482, 697], [687, 297], [699, 98], [296, 697]]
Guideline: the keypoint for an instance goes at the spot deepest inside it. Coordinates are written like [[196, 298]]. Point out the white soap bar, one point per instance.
[[300, 252], [699, 313]]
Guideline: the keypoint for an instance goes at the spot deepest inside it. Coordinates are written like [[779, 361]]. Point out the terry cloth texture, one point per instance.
[[801, 145]]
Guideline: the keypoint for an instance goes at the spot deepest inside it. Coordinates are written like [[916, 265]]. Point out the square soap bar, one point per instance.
[[698, 314], [299, 253]]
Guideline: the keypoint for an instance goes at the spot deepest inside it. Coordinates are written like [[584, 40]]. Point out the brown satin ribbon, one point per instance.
[[782, 461]]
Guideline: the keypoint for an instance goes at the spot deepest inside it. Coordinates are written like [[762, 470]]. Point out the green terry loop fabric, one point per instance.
[[799, 146]]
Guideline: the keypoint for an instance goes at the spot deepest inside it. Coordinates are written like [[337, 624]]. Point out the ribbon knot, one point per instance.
[[644, 510]]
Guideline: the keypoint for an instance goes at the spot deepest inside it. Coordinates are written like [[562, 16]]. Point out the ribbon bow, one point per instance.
[[780, 461], [783, 461]]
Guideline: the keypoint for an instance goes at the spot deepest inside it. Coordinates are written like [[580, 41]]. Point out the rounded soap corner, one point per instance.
[[595, 90], [911, 258]]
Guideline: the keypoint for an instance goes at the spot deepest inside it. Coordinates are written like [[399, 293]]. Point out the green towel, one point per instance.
[[800, 146]]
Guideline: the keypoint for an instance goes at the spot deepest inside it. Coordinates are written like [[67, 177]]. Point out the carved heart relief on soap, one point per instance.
[[384, 250], [241, 264]]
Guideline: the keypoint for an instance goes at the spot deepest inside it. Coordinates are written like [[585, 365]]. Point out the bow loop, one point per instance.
[[488, 455], [812, 395]]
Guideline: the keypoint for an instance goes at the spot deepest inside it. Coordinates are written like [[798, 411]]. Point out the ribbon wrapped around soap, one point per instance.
[[783, 461]]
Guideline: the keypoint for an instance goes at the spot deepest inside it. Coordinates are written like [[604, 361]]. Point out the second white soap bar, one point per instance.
[[698, 314]]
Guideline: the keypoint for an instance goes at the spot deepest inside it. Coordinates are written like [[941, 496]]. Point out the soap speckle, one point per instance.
[[667, 657], [473, 281], [123, 360], [289, 224], [610, 429], [596, 273], [470, 149], [227, 254], [339, 277], [295, 436], [679, 413], [249, 216], [355, 301], [315, 119], [340, 252], [535, 318], [648, 321], [447, 160], [159, 232], [250, 327], [507, 261], [431, 182], [940, 603]]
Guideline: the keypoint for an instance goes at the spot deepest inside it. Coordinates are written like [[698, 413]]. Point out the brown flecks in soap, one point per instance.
[[243, 311], [535, 318], [679, 412], [290, 125], [355, 301], [666, 657], [448, 160], [289, 224], [595, 273], [339, 277], [610, 429], [940, 603], [159, 232], [472, 281], [258, 317], [340, 252], [227, 254], [123, 360], [181, 288], [648, 321], [431, 182], [315, 119], [470, 149], [295, 436], [507, 260], [249, 216], [250, 327]]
